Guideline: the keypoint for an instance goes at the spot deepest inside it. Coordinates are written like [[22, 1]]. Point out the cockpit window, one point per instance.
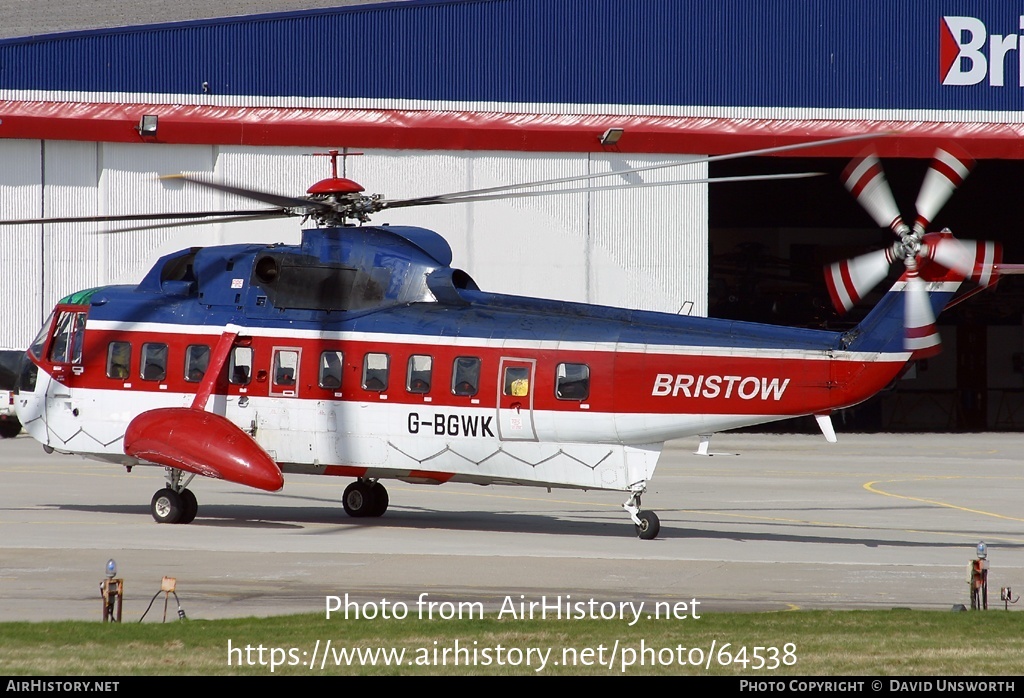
[[68, 337], [36, 348]]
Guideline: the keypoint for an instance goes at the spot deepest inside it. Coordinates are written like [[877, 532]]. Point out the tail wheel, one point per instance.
[[649, 526], [359, 499], [167, 506]]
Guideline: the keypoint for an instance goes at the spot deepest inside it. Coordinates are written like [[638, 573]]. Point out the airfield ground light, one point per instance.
[[979, 579], [112, 591], [1006, 596], [167, 587]]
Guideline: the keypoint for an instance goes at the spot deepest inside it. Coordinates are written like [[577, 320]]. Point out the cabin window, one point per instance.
[[466, 375], [517, 381], [286, 368], [572, 382], [240, 366], [375, 372], [197, 360], [418, 376], [153, 362], [119, 358], [68, 337], [330, 369]]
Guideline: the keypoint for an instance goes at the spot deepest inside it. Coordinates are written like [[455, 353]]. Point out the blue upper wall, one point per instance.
[[868, 54]]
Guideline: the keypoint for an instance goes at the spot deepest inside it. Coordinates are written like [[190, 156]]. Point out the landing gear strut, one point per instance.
[[365, 498], [647, 524], [174, 503]]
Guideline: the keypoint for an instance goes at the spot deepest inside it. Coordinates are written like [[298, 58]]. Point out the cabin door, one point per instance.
[[516, 386], [64, 354]]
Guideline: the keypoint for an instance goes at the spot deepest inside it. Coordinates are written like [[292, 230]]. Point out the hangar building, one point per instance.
[[451, 95]]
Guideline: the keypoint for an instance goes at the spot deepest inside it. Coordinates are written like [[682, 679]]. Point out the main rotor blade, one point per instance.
[[183, 224], [464, 198], [947, 172], [661, 166], [143, 217], [265, 197], [865, 179]]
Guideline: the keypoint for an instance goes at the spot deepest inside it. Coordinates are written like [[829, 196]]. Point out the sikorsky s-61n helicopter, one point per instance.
[[361, 353]]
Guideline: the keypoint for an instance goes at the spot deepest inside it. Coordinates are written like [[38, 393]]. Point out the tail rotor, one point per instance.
[[850, 280]]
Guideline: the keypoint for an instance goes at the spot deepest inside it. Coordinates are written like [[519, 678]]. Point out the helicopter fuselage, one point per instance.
[[362, 353]]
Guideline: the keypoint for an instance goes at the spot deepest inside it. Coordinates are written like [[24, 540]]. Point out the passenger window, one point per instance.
[[330, 369], [375, 372], [286, 368], [197, 360], [240, 366], [466, 375], [153, 364], [572, 382], [517, 381], [419, 374], [119, 358]]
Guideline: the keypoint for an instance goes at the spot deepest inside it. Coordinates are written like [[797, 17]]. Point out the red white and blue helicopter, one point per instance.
[[361, 353]]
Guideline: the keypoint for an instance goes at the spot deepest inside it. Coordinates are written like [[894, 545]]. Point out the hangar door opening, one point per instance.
[[770, 241]]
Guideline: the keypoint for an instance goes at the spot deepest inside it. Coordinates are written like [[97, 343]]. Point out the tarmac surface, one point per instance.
[[791, 522]]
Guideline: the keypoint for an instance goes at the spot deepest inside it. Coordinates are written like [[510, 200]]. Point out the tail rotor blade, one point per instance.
[[948, 170], [850, 280], [988, 258], [919, 321], [977, 260], [954, 254], [866, 181]]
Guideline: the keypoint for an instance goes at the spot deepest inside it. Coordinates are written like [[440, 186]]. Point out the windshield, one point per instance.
[[36, 348]]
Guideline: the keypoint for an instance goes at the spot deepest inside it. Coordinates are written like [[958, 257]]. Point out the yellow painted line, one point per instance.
[[871, 487]]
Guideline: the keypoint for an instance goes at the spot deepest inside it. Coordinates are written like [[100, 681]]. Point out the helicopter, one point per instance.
[[361, 353]]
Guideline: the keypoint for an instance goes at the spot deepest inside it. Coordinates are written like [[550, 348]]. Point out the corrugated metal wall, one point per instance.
[[542, 55], [644, 248]]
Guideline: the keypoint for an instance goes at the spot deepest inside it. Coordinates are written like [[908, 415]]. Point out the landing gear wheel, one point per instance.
[[167, 506], [9, 429], [380, 500], [649, 526], [359, 499], [189, 507]]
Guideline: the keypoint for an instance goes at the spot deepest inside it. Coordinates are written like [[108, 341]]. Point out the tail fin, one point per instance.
[[904, 319], [891, 327]]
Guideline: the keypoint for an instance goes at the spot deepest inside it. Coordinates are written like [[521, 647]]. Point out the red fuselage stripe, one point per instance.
[[649, 382]]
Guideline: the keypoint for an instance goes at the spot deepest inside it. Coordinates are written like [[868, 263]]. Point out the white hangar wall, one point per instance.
[[641, 248]]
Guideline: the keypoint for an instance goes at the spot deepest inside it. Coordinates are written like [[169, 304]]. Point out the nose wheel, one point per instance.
[[647, 524], [174, 504], [365, 498]]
